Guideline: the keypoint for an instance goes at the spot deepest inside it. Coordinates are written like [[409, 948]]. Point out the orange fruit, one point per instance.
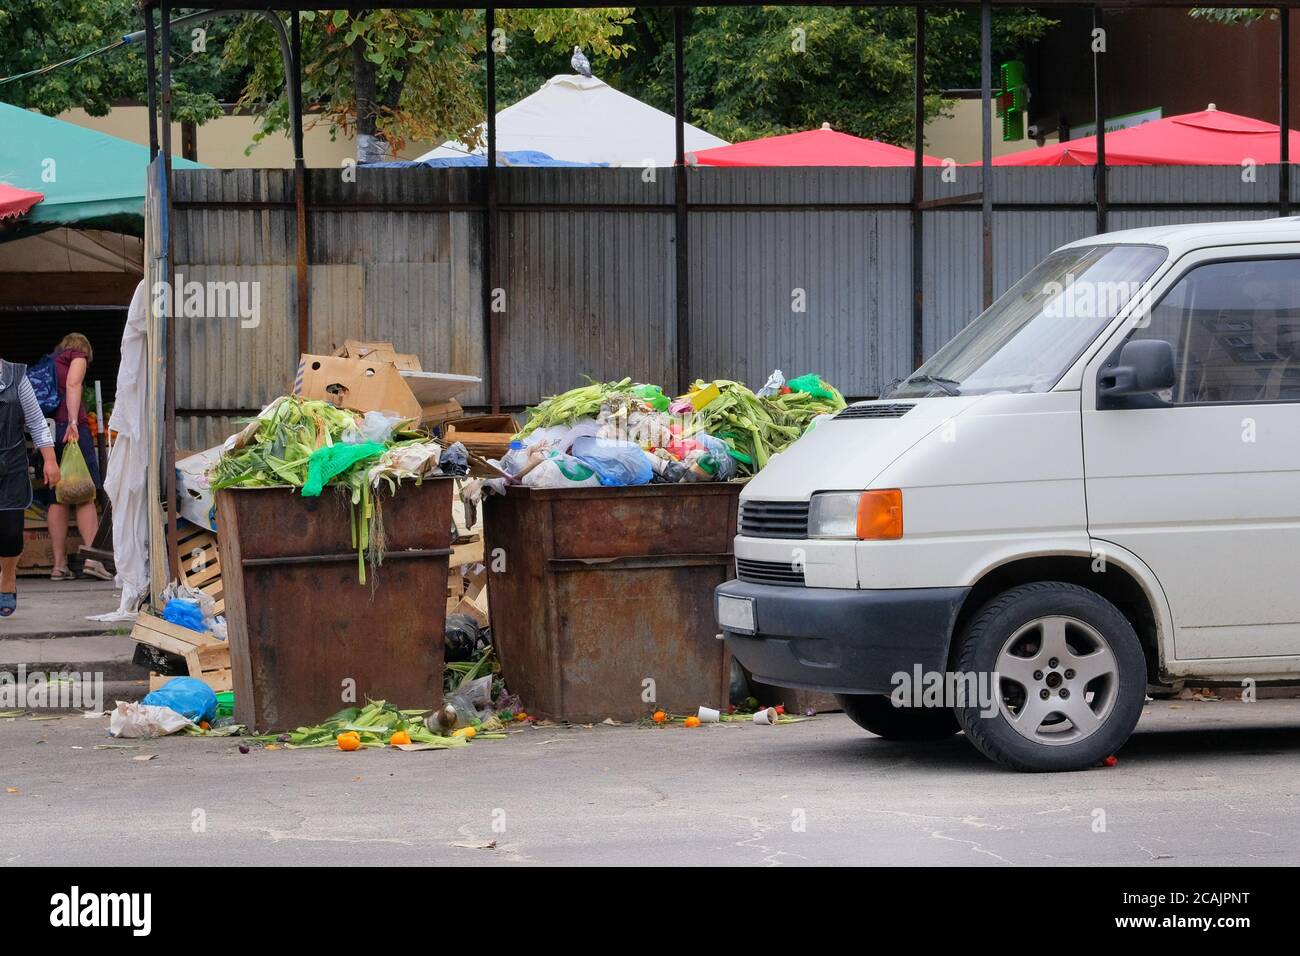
[[466, 732], [400, 737], [692, 721], [349, 741], [659, 717]]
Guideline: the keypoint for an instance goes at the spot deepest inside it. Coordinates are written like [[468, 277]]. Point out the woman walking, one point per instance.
[[72, 358], [19, 410]]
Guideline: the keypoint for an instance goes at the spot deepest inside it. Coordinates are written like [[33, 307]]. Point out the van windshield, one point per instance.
[[1029, 337]]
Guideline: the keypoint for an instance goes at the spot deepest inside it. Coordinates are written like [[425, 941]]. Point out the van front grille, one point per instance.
[[892, 410], [783, 573], [774, 519]]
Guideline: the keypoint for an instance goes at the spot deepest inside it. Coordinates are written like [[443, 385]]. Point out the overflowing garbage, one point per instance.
[[623, 433], [309, 444]]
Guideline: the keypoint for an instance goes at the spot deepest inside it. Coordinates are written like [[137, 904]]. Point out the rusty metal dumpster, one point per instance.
[[601, 599], [306, 637]]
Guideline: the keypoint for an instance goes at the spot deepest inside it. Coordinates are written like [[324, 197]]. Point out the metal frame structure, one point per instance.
[[158, 47]]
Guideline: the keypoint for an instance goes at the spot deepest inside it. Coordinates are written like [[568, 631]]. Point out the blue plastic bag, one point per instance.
[[45, 385], [188, 696], [185, 613], [614, 462]]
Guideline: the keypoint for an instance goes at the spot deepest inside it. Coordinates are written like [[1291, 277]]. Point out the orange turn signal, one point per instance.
[[880, 515]]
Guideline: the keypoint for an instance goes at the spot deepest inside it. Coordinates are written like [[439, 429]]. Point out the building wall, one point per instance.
[[1158, 57], [222, 142]]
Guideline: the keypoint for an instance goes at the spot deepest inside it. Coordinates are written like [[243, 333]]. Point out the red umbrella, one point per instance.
[[1209, 138], [16, 202], [814, 147]]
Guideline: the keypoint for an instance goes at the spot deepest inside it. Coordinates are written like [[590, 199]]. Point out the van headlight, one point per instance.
[[875, 515]]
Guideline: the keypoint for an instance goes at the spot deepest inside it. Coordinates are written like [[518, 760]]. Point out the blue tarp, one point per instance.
[[520, 157]]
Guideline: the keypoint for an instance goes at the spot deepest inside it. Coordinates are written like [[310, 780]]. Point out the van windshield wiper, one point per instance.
[[949, 385]]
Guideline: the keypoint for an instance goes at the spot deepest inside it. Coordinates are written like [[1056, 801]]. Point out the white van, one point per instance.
[[1093, 487]]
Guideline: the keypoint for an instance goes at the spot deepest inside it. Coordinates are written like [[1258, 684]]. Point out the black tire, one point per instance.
[[877, 714], [1117, 695]]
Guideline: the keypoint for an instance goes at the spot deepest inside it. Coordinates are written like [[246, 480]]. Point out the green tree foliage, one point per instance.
[[404, 74], [37, 33]]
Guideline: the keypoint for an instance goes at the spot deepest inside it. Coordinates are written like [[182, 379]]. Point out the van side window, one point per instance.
[[1235, 330]]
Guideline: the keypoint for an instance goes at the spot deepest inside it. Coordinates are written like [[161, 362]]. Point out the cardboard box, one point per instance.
[[38, 550], [485, 435], [357, 384], [379, 352], [374, 384]]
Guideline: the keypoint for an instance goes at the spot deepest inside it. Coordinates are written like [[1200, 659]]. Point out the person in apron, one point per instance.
[[19, 411]]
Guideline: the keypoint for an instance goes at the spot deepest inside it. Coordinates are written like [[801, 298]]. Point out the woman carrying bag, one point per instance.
[[19, 411], [72, 426]]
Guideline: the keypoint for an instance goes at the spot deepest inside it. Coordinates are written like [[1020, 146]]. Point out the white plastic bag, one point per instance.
[[375, 426], [560, 471], [143, 720]]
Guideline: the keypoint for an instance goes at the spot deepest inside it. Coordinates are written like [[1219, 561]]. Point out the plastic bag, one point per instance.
[[775, 382], [614, 462], [560, 471], [332, 460], [454, 461], [185, 613], [147, 720], [75, 486], [720, 452], [188, 696], [373, 427]]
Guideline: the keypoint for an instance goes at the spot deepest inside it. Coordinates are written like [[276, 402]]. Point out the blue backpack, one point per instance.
[[45, 384]]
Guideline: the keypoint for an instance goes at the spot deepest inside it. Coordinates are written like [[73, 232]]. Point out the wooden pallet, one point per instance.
[[205, 657], [201, 562]]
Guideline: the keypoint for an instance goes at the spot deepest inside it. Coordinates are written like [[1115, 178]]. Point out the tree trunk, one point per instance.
[[371, 147]]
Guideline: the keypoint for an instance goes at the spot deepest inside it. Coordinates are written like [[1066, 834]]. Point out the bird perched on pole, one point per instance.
[[579, 62]]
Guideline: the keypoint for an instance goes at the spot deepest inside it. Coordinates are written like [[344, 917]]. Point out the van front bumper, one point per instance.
[[841, 640]]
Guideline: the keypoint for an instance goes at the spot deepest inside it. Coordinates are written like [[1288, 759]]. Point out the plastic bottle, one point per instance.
[[514, 460]]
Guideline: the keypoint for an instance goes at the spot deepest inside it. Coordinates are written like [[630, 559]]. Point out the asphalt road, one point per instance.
[[1201, 783]]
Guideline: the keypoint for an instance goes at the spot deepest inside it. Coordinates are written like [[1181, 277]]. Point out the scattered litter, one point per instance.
[[489, 845], [611, 722], [137, 719], [145, 757]]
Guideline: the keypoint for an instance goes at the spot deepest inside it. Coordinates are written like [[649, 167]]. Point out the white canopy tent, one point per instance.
[[581, 119]]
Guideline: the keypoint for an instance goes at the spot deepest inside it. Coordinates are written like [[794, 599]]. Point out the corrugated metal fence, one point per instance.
[[801, 269]]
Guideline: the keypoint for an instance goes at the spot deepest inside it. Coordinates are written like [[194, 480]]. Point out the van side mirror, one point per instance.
[[1143, 366]]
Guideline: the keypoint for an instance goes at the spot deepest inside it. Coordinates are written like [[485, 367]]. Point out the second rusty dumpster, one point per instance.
[[307, 638], [601, 599]]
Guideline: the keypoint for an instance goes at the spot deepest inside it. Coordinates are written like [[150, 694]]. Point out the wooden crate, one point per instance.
[[201, 562], [205, 657]]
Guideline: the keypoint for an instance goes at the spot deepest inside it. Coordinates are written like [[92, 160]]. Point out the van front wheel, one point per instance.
[[877, 713], [1070, 678]]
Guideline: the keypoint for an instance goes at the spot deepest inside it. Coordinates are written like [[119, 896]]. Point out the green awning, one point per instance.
[[88, 177]]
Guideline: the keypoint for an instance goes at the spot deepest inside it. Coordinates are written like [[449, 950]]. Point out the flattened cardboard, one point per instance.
[[379, 352]]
